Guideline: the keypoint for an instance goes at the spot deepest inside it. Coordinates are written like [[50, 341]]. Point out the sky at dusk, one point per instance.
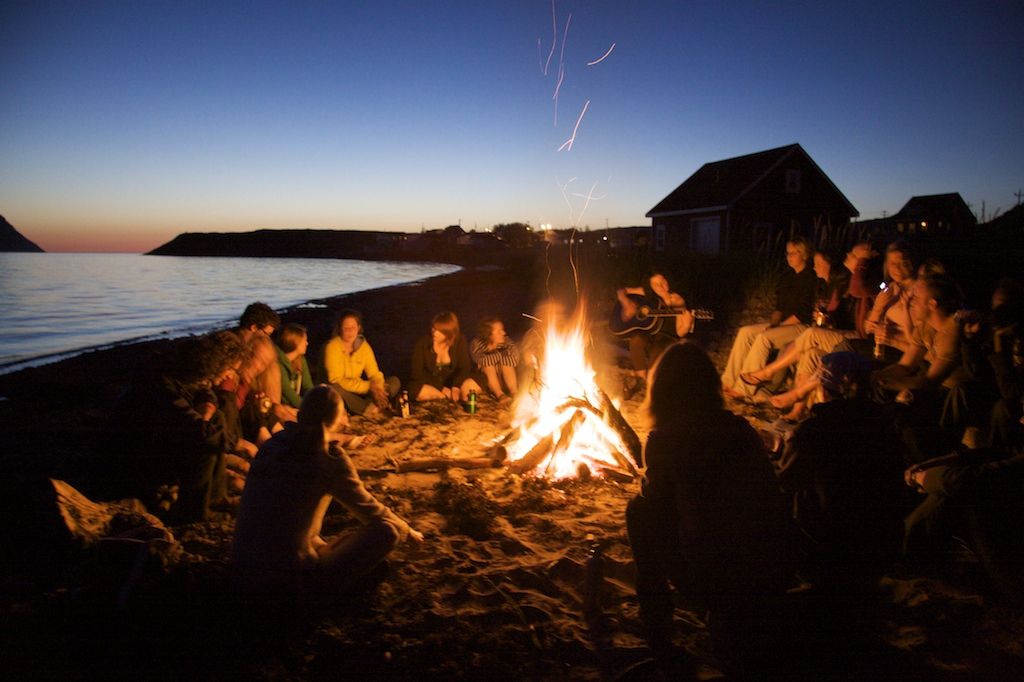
[[123, 124]]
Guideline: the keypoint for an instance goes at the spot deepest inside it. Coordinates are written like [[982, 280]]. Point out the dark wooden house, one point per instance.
[[747, 202], [934, 213]]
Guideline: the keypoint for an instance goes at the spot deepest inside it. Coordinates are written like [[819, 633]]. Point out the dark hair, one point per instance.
[[259, 314], [319, 409], [486, 326], [448, 324], [344, 315], [290, 335], [684, 380], [946, 293], [197, 361]]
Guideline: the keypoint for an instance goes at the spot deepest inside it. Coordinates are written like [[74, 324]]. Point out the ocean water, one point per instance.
[[53, 305]]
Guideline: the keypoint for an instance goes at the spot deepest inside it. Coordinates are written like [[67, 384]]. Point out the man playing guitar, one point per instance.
[[645, 345]]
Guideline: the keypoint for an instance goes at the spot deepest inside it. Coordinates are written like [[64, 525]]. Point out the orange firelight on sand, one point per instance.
[[566, 425]]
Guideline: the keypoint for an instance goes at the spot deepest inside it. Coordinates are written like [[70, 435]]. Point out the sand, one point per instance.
[[497, 589]]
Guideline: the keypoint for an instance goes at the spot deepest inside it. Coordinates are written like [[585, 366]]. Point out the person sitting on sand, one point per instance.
[[292, 342], [352, 369], [842, 467], [495, 358], [169, 439], [440, 363], [834, 323], [930, 374], [794, 301], [646, 346], [710, 517], [278, 552]]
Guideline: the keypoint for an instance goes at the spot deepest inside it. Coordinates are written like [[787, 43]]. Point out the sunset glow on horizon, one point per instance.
[[124, 125]]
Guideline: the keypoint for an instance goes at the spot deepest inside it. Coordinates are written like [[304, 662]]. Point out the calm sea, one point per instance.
[[53, 305]]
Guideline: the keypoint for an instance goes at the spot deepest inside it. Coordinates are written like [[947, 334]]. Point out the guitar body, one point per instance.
[[648, 318], [641, 321]]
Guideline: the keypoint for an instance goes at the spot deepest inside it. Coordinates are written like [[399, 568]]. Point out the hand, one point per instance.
[[415, 536], [379, 395], [447, 393], [206, 410]]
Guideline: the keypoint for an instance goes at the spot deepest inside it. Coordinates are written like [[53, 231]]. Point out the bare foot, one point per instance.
[[782, 400], [795, 414]]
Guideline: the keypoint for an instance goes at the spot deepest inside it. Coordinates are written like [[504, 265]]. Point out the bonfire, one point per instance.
[[566, 425]]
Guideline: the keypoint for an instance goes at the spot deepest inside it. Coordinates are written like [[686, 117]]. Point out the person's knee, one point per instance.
[[387, 536]]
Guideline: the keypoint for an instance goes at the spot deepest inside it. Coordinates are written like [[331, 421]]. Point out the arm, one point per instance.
[[346, 487], [371, 369], [628, 306], [902, 374], [460, 362]]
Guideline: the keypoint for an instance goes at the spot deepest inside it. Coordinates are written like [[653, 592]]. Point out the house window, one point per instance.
[[793, 181], [705, 234], [659, 237]]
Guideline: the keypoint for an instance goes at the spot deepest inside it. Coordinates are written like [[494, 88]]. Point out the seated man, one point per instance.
[[794, 302]]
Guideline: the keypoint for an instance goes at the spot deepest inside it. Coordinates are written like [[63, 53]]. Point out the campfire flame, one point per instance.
[[563, 427]]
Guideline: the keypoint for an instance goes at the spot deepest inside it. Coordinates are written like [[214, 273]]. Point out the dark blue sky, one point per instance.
[[124, 123]]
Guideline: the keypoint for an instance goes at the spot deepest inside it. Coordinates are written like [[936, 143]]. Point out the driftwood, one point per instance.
[[617, 425], [441, 463]]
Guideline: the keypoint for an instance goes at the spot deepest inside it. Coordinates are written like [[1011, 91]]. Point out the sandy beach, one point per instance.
[[497, 590]]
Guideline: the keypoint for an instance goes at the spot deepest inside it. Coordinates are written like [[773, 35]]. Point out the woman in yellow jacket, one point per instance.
[[352, 369]]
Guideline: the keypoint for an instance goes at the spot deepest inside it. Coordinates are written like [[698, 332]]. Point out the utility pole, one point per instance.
[[1018, 194]]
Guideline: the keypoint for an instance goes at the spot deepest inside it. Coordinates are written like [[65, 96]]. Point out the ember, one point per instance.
[[567, 425]]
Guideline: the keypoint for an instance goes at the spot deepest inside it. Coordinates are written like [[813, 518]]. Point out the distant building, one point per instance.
[[749, 202], [934, 213]]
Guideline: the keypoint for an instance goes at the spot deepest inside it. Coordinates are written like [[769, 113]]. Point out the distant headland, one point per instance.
[[450, 245], [12, 240]]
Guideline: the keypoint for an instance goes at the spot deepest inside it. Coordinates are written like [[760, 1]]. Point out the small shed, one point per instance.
[[748, 202]]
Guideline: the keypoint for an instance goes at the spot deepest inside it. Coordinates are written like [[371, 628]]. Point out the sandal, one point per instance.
[[750, 380]]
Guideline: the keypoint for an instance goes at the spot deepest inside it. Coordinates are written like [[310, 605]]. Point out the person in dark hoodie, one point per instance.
[[168, 438], [710, 518], [278, 553]]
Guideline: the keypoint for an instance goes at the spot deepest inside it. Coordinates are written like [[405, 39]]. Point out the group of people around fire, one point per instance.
[[894, 390]]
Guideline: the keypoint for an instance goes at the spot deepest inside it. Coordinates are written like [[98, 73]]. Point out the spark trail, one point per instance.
[[602, 57], [567, 145]]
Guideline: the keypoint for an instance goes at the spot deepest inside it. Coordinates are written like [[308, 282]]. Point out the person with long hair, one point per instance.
[[440, 362], [296, 380], [710, 518], [656, 292], [278, 552]]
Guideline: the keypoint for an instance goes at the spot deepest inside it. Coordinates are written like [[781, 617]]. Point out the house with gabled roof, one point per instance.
[[936, 213], [747, 202]]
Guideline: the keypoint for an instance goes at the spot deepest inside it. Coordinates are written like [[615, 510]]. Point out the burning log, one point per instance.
[[534, 457], [621, 427], [565, 438]]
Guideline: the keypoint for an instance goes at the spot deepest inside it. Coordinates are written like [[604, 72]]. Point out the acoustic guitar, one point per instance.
[[648, 318]]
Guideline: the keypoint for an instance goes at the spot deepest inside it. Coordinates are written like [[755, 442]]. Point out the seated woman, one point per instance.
[[292, 342], [278, 552], [646, 345], [891, 321], [794, 302], [440, 362], [833, 323], [710, 517], [352, 369], [496, 357]]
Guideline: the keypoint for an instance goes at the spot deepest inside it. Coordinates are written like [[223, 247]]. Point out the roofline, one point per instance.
[[689, 211]]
